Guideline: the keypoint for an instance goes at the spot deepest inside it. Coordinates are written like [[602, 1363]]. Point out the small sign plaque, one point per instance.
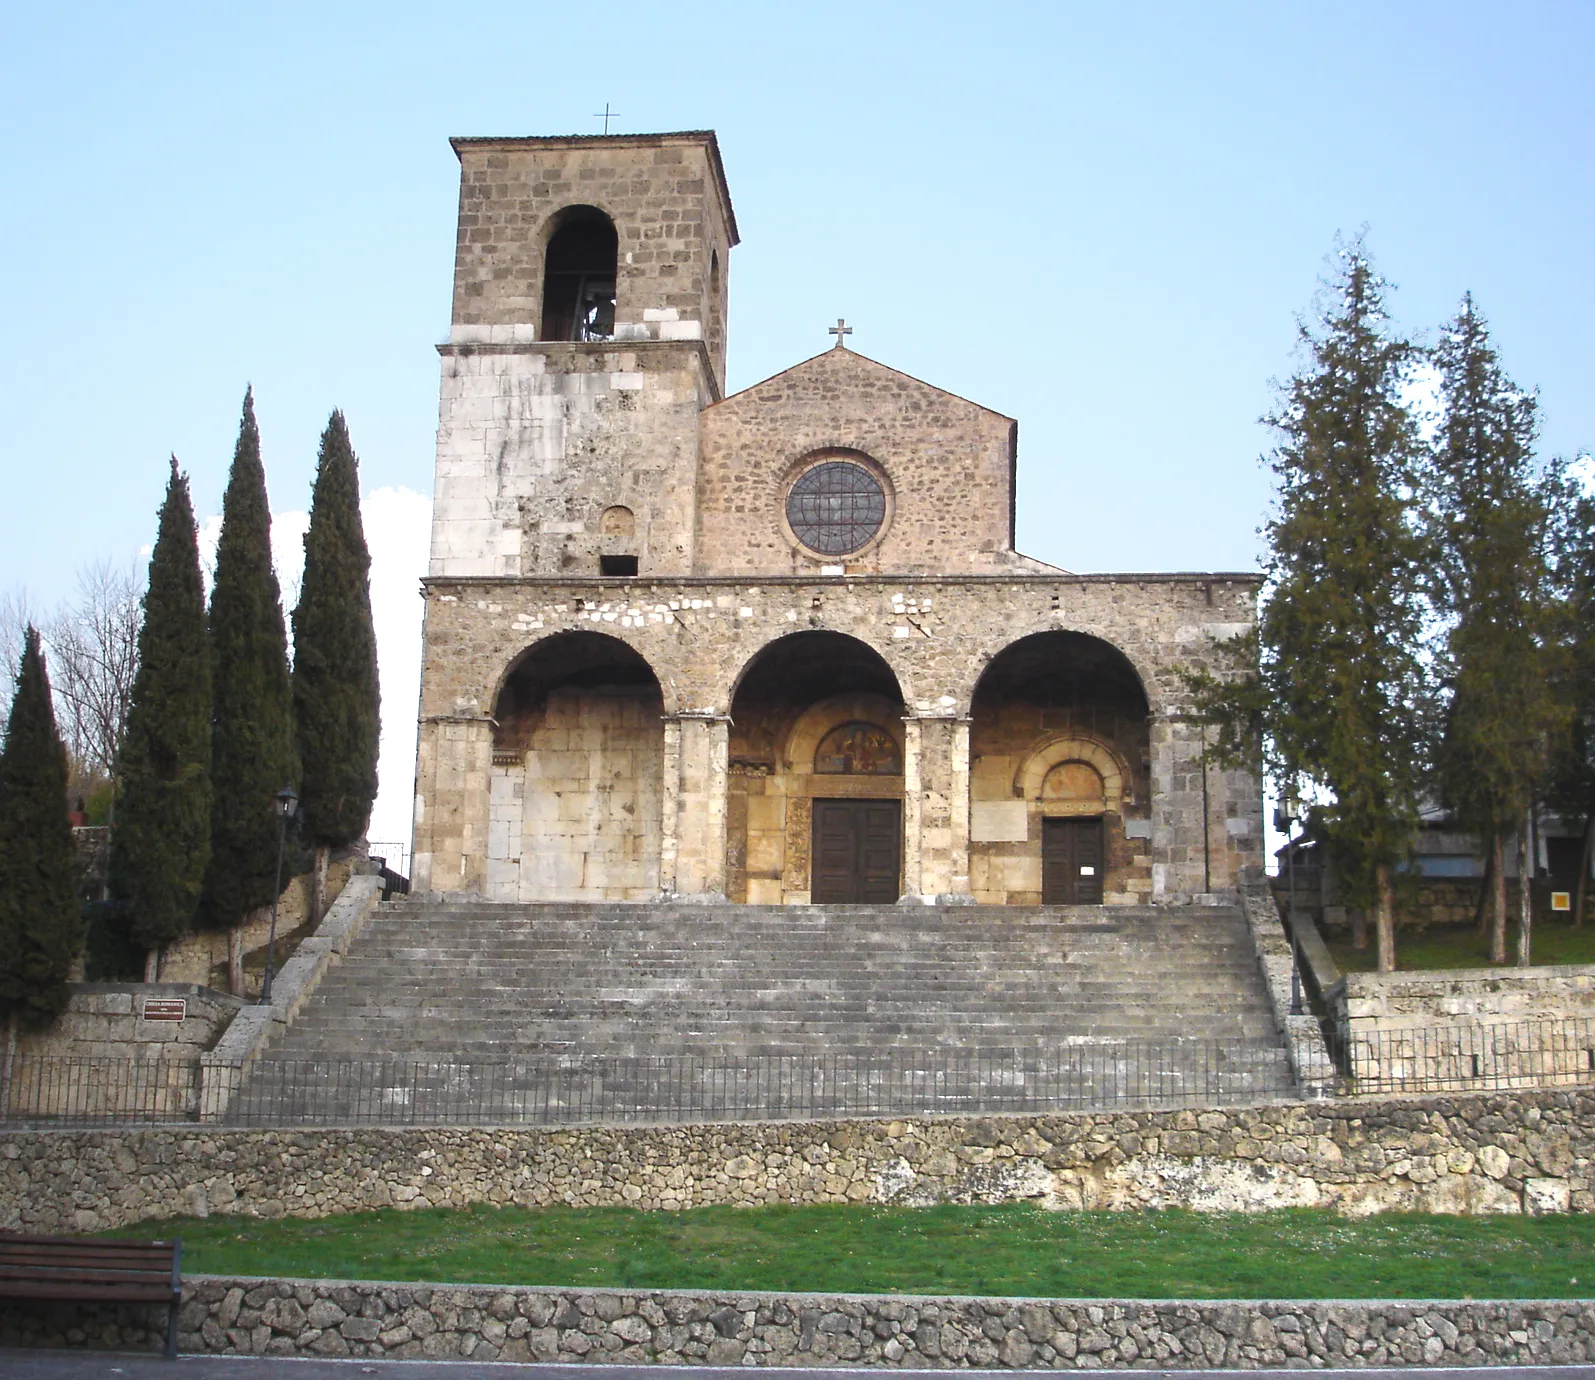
[[1561, 900], [166, 1009]]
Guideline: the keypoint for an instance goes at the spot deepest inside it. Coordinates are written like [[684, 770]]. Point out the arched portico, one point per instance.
[[1060, 775], [815, 781], [577, 775]]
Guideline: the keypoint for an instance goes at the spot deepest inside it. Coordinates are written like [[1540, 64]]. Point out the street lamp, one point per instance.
[[284, 804], [1285, 818]]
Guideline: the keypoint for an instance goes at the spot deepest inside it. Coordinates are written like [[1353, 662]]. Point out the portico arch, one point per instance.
[[800, 694], [1060, 763], [576, 779]]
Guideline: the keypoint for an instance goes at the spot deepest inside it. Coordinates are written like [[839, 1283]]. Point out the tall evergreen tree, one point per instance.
[[252, 737], [41, 928], [1571, 790], [1339, 703], [337, 701], [1488, 514], [161, 840]]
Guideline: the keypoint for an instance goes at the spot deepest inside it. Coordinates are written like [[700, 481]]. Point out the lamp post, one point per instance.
[[1285, 817], [285, 803]]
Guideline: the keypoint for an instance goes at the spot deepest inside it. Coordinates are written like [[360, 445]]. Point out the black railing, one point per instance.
[[562, 1091], [44, 1091], [696, 1088], [72, 1090]]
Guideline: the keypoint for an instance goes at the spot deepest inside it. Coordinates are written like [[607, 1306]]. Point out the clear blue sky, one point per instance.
[[1101, 219]]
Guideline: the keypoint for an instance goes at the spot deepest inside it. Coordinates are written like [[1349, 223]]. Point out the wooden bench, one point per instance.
[[73, 1269]]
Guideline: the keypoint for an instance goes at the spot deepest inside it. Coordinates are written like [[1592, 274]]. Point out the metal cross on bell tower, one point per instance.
[[840, 330]]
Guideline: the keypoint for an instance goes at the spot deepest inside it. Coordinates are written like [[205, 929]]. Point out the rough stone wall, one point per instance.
[[1521, 1152], [483, 1323], [936, 635], [666, 195], [948, 466]]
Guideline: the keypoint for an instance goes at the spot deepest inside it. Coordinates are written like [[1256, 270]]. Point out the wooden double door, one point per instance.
[[1072, 862], [857, 855]]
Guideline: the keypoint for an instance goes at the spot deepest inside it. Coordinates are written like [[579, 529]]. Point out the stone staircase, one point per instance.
[[678, 1012]]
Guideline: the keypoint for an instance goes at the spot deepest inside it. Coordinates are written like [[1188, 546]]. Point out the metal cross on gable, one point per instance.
[[606, 115], [840, 330]]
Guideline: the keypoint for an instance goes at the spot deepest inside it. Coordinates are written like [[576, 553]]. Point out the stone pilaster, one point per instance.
[[935, 805], [670, 810], [1207, 822], [700, 807], [453, 761]]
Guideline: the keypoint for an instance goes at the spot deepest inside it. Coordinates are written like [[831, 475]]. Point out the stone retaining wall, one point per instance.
[[106, 1020], [241, 1316], [1527, 1152], [1467, 1027]]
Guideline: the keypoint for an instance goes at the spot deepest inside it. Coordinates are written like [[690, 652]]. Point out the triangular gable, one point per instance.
[[837, 364]]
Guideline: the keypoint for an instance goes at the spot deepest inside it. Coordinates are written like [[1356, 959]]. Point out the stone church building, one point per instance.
[[776, 646]]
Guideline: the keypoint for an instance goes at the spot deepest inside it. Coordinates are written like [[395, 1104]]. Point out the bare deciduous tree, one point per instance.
[[93, 642]]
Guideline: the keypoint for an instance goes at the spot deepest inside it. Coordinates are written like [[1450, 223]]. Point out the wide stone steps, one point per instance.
[[558, 1013]]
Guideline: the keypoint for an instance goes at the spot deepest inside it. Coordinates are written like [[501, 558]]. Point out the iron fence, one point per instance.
[[72, 1090], [697, 1088], [1475, 1056], [565, 1091]]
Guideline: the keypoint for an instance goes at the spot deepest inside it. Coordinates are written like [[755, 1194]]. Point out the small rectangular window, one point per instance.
[[617, 565]]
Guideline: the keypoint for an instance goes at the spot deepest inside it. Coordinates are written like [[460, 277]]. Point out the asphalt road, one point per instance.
[[106, 1365]]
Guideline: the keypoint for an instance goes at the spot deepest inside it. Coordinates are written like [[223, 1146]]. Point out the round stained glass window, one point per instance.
[[836, 507]]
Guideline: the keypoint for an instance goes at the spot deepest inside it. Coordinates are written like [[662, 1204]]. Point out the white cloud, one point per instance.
[[397, 525]]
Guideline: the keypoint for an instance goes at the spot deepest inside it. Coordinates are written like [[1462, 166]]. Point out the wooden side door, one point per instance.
[[1073, 857]]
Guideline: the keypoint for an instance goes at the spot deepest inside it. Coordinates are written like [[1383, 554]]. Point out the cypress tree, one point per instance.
[[252, 739], [1489, 520], [41, 928], [161, 841], [1339, 704], [336, 697]]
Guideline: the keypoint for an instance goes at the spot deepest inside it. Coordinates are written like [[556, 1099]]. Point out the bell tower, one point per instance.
[[588, 332]]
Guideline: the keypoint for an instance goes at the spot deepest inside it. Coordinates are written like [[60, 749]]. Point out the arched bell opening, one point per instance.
[[1060, 776], [579, 268], [815, 799], [577, 776]]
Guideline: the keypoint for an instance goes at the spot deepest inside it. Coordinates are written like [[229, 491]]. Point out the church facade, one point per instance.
[[775, 647]]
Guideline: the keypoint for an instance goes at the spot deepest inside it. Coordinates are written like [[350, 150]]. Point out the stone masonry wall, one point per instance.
[[947, 466], [1527, 1152], [482, 1323], [106, 1019], [536, 442], [1496, 1027], [577, 817], [937, 635], [667, 197]]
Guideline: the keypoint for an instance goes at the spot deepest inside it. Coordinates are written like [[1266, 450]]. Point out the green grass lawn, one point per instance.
[[1462, 946], [1010, 1250]]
